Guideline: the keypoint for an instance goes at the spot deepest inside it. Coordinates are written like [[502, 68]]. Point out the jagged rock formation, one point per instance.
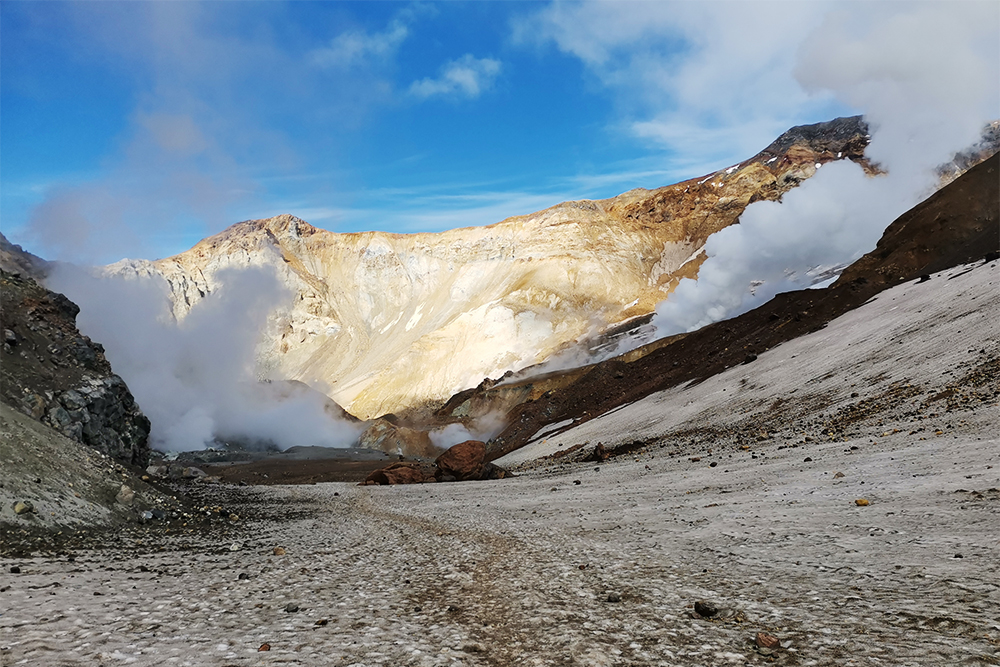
[[53, 373], [390, 322]]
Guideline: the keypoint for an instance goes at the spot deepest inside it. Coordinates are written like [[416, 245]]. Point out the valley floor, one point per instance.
[[601, 563]]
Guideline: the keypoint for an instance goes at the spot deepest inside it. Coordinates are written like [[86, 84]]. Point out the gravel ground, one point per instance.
[[601, 563]]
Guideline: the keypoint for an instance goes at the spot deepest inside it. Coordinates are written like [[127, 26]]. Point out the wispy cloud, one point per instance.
[[712, 81], [355, 47], [466, 77]]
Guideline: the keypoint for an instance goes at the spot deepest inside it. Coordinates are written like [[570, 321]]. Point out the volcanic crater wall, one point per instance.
[[389, 322]]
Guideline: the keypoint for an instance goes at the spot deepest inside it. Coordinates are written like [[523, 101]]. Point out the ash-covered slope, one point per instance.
[[958, 224], [390, 322]]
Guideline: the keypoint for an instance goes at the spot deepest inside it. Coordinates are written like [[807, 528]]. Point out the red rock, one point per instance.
[[464, 461], [764, 640], [401, 473]]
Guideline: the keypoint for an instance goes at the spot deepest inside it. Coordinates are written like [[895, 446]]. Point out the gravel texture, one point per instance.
[[602, 563]]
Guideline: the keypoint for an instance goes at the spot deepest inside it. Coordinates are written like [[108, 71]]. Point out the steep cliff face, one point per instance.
[[53, 373], [388, 322]]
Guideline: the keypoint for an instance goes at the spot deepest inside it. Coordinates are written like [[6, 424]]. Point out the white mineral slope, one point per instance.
[[519, 571], [387, 321], [384, 322]]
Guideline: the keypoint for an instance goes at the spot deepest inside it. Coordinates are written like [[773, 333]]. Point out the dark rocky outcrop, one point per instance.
[[53, 373], [14, 259], [463, 462], [401, 473]]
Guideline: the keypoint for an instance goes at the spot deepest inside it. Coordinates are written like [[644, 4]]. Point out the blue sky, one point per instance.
[[136, 129]]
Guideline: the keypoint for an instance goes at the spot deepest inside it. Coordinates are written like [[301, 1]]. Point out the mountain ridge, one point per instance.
[[387, 322]]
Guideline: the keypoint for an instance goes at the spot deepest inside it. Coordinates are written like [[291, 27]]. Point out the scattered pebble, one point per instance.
[[705, 609], [23, 507]]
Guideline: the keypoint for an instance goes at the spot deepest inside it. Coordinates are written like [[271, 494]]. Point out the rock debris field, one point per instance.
[[584, 563]]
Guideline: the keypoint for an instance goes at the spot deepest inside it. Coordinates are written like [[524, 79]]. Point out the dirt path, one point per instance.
[[490, 573]]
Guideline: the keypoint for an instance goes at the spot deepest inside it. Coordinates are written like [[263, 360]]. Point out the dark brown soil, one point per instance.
[[275, 471]]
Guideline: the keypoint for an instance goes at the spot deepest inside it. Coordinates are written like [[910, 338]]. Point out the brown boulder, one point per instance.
[[401, 473], [462, 462]]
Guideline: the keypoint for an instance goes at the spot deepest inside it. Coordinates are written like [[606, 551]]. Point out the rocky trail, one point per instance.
[[591, 565], [861, 528]]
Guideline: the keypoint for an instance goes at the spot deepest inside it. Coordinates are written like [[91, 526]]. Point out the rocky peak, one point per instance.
[[401, 322]]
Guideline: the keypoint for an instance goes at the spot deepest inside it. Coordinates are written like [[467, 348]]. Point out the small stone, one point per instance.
[[264, 647], [322, 622], [23, 507], [145, 516], [862, 502], [278, 551], [713, 464], [125, 496], [838, 475], [614, 597], [417, 609], [235, 546], [764, 640], [959, 556], [14, 569], [705, 609], [807, 459], [243, 576], [577, 482], [291, 607]]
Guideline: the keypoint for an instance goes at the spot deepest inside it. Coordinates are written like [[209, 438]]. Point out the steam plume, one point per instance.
[[926, 77], [195, 379]]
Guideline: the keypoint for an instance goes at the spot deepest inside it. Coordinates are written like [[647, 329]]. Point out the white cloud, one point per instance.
[[927, 79], [467, 77], [355, 47], [711, 82]]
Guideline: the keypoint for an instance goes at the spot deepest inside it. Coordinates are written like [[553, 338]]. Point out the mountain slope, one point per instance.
[[958, 224], [388, 322]]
